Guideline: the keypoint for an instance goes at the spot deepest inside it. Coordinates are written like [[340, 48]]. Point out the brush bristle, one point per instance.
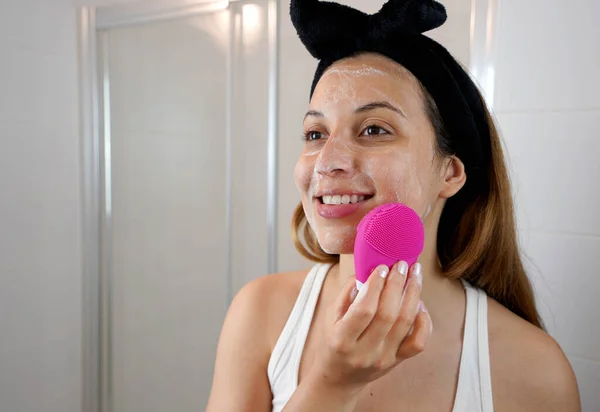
[[394, 230]]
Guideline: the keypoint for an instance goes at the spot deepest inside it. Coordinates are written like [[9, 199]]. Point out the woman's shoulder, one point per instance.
[[530, 371], [245, 345], [273, 290], [269, 300]]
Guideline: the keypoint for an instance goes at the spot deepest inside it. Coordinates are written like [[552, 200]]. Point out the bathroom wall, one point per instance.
[[40, 203], [547, 101]]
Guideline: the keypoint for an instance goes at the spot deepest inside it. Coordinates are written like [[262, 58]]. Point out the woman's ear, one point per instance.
[[454, 177]]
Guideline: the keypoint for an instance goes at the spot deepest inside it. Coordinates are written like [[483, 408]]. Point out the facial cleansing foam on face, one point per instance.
[[387, 234]]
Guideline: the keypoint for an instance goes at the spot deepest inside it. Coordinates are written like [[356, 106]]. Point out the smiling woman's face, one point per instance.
[[369, 142]]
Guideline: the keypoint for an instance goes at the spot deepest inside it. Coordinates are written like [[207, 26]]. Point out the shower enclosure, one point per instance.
[[179, 149]]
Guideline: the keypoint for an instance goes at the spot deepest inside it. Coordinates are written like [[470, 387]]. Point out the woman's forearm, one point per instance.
[[314, 395]]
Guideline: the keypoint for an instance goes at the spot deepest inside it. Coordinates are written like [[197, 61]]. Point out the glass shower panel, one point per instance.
[[185, 142]]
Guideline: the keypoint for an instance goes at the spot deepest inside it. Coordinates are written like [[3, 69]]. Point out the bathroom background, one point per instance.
[[146, 175]]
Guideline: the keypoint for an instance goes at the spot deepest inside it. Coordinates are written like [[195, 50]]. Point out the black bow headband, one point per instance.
[[332, 31]]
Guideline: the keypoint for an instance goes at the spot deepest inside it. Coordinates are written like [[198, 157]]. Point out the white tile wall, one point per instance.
[[553, 158], [548, 105], [46, 26], [548, 55], [561, 268], [40, 256], [33, 84]]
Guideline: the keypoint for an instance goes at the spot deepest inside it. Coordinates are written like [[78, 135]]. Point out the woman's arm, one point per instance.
[[373, 331], [240, 380], [548, 381]]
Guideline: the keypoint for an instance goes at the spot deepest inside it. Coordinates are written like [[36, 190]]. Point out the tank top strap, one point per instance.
[[485, 372], [286, 355], [474, 389]]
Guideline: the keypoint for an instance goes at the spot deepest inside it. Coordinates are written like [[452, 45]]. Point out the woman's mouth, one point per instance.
[[342, 199], [340, 205]]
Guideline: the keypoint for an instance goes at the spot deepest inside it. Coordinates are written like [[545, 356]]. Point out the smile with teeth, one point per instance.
[[343, 199]]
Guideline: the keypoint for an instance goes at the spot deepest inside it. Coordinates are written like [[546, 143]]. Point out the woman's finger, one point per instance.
[[389, 307], [415, 343], [363, 308], [345, 298], [409, 310]]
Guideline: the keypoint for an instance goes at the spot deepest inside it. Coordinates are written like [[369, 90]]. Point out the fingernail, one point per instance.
[[383, 271], [417, 274], [422, 307], [353, 294], [402, 268]]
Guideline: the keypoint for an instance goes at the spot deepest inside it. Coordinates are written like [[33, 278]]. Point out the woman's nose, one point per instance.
[[337, 157]]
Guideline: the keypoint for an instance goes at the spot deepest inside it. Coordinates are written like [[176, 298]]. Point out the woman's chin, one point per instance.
[[337, 243], [332, 251]]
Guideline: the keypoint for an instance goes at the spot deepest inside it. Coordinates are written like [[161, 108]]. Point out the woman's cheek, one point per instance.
[[302, 175], [398, 179]]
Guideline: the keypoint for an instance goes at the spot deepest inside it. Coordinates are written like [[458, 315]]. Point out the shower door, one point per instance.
[[186, 136]]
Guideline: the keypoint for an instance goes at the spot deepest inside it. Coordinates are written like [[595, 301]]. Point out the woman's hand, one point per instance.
[[383, 325]]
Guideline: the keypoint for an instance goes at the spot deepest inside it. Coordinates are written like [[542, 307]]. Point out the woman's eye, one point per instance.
[[310, 136], [374, 131]]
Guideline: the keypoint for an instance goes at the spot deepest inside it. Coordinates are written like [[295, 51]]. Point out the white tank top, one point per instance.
[[474, 390]]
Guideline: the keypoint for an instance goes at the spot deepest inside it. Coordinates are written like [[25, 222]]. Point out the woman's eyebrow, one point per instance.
[[313, 113], [364, 108], [379, 105]]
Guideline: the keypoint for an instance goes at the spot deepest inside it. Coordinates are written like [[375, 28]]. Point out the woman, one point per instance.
[[394, 118]]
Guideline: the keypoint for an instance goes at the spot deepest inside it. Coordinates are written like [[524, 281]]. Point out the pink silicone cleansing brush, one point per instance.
[[387, 234]]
